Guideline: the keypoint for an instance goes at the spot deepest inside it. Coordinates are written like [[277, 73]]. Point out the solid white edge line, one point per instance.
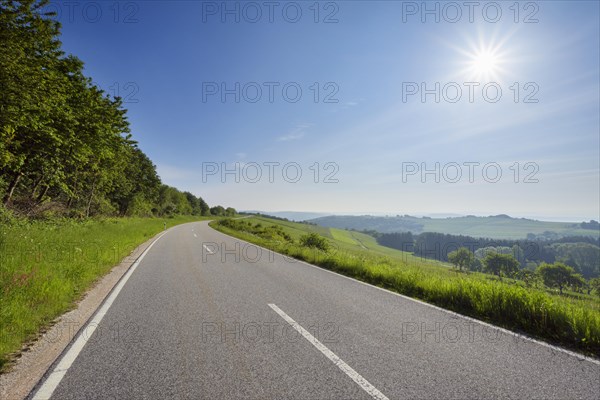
[[53, 380], [579, 356], [348, 370]]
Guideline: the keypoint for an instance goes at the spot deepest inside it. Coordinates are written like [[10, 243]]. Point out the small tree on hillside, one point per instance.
[[557, 275], [462, 257], [314, 240], [594, 284], [495, 263], [578, 283]]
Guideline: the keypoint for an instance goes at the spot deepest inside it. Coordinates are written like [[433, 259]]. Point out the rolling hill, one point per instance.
[[495, 227]]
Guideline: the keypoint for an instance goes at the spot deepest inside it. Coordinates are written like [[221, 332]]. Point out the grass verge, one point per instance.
[[45, 267]]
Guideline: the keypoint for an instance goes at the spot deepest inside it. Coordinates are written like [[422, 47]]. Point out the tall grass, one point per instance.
[[565, 321], [46, 266]]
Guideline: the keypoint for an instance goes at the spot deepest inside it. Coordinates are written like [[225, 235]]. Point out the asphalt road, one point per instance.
[[206, 316]]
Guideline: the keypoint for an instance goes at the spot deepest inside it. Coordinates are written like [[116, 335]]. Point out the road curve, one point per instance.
[[205, 315]]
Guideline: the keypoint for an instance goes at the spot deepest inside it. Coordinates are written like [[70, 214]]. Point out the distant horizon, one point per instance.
[[430, 215]]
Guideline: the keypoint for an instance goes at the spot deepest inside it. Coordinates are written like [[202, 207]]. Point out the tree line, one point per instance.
[[581, 253], [65, 145], [553, 275]]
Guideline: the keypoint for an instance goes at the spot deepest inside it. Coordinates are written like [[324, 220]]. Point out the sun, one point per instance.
[[485, 64]]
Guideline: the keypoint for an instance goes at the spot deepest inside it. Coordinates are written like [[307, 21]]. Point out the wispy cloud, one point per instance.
[[296, 134], [290, 136], [346, 105]]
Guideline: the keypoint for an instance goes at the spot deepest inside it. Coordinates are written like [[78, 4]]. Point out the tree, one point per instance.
[[577, 283], [496, 263], [594, 284], [583, 257], [32, 95], [64, 142], [171, 202], [476, 265], [204, 208], [557, 275], [528, 277], [315, 241], [462, 257], [217, 211]]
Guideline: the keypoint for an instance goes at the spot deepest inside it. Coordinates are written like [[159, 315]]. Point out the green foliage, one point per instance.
[[65, 145], [272, 233], [559, 275], [314, 241], [583, 257], [197, 204], [594, 285], [496, 263], [462, 258], [581, 253]]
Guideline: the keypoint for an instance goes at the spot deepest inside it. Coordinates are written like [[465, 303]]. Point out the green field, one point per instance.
[[571, 320], [345, 241], [501, 228], [495, 227], [45, 267]]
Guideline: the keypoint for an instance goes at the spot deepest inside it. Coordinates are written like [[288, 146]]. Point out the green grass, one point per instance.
[[346, 241], [501, 228], [45, 267], [343, 236], [571, 321], [488, 227]]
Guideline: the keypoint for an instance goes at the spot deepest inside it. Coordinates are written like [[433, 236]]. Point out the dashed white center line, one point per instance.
[[209, 251], [195, 235], [355, 376]]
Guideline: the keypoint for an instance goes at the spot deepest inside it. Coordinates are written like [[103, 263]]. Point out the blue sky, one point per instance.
[[371, 134]]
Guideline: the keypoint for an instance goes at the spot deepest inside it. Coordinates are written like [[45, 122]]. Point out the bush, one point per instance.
[[315, 241], [6, 216]]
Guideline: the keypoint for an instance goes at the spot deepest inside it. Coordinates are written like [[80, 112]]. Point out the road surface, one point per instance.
[[207, 316]]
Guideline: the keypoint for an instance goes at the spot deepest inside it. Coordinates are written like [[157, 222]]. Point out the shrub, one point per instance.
[[315, 241]]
